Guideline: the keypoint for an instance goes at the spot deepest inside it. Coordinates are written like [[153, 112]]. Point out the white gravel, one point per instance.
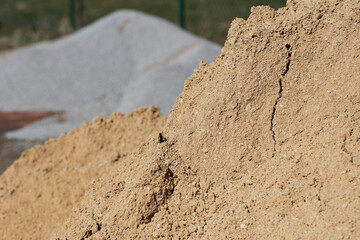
[[123, 61]]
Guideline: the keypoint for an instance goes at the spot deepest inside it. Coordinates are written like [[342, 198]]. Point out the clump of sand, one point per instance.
[[263, 143]]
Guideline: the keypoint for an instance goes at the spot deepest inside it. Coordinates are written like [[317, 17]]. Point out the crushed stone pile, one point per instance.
[[123, 61], [263, 143]]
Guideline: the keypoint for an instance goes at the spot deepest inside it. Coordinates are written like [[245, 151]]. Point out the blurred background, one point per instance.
[[27, 21], [117, 62]]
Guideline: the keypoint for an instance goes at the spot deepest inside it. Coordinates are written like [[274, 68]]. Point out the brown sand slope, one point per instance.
[[264, 143], [38, 191]]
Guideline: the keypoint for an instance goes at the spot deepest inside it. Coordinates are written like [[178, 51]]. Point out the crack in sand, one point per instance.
[[344, 148], [286, 70]]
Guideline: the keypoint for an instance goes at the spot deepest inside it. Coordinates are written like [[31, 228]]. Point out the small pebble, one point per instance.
[[243, 225]]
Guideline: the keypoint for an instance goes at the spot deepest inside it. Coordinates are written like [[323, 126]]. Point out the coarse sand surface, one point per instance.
[[62, 169], [263, 143]]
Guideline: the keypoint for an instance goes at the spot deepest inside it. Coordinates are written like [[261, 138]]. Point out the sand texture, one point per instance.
[[263, 143], [47, 181]]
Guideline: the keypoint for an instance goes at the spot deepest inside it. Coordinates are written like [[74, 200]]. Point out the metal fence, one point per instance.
[[27, 21]]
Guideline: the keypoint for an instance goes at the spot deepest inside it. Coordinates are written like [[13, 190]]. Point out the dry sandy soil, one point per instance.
[[263, 143]]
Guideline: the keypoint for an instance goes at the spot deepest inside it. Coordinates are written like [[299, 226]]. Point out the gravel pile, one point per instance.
[[123, 61]]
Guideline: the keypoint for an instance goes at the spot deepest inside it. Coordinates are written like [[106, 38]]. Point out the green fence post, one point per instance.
[[182, 13], [72, 14], [80, 9]]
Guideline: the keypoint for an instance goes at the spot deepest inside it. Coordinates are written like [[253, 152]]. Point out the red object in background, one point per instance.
[[15, 120]]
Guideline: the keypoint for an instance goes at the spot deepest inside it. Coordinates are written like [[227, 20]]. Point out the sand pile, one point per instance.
[[263, 143], [49, 180]]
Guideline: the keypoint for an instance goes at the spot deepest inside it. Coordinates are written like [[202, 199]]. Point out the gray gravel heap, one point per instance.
[[123, 61]]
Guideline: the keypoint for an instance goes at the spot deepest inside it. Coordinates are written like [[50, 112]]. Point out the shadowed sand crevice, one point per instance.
[[283, 74]]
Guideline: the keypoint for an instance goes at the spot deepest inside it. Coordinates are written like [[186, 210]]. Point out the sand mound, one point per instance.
[[264, 143], [123, 61], [49, 180]]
